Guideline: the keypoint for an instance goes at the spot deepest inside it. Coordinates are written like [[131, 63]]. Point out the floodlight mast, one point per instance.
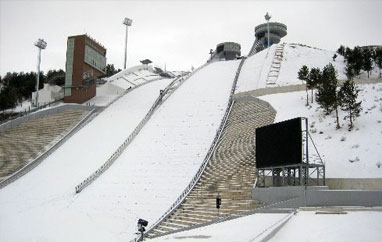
[[128, 23], [40, 44], [267, 17]]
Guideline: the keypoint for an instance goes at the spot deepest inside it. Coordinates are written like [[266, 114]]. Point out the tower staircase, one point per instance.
[[274, 70], [230, 173]]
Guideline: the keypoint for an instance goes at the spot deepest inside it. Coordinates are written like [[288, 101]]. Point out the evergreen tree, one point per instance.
[[348, 53], [348, 95], [356, 60], [367, 62], [314, 79], [56, 77], [327, 95], [110, 70], [334, 57], [341, 50], [378, 59], [303, 75], [349, 72]]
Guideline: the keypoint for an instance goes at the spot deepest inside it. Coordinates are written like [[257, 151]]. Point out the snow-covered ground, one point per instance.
[[161, 161], [249, 228], [37, 204], [354, 226], [255, 70], [143, 182], [156, 167], [304, 226], [355, 154], [133, 76]]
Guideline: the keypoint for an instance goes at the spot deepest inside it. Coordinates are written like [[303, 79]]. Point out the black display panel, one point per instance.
[[279, 144]]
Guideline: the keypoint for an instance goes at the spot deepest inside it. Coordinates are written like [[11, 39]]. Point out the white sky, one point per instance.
[[176, 33]]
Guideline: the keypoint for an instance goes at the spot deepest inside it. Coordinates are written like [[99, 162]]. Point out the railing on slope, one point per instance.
[[275, 65], [127, 141], [256, 47], [207, 158], [171, 87]]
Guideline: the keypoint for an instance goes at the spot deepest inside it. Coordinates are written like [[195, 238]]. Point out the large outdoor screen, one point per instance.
[[279, 144]]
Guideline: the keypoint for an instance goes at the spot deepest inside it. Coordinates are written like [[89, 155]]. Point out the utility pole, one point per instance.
[[40, 44], [268, 17], [128, 23]]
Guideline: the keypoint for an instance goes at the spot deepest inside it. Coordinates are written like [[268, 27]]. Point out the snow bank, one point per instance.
[[355, 154], [354, 226]]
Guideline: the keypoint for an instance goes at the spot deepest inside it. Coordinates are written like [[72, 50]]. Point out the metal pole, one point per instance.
[[268, 32], [38, 74], [124, 65], [267, 17], [307, 149]]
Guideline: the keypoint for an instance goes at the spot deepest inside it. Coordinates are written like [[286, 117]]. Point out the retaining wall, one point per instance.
[[296, 88], [316, 196]]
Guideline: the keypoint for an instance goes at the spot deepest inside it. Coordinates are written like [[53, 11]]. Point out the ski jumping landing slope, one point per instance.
[[142, 183]]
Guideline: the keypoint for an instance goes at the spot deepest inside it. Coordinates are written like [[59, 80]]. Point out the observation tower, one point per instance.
[[267, 34]]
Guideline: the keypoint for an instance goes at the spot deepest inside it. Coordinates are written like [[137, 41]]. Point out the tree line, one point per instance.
[[328, 95], [17, 87], [361, 58]]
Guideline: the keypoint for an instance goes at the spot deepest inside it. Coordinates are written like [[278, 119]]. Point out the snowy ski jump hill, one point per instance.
[[156, 167]]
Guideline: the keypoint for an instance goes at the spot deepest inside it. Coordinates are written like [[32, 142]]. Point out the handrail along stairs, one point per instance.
[[207, 158]]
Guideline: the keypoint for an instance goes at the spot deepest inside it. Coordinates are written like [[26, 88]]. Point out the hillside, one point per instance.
[[154, 170], [256, 67], [354, 154]]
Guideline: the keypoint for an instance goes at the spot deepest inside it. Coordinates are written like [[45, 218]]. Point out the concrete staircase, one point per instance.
[[230, 173], [22, 143], [274, 70]]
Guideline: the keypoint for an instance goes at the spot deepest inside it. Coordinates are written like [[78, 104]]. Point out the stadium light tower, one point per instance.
[[267, 17], [40, 44], [128, 23]]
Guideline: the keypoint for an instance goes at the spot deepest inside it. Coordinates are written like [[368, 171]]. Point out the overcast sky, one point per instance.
[[176, 33]]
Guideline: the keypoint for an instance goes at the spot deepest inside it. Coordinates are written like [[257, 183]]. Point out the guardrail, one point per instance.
[[163, 96], [207, 158]]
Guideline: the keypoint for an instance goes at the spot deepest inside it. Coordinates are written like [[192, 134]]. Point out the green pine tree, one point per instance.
[[341, 50], [349, 72], [334, 57], [303, 75], [348, 99], [367, 62], [314, 80], [327, 95], [378, 59]]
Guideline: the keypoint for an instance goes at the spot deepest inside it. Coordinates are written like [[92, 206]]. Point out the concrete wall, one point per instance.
[[296, 88], [344, 198], [271, 195], [48, 94], [316, 196], [354, 183]]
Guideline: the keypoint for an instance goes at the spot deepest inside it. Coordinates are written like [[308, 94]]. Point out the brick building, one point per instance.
[[85, 61]]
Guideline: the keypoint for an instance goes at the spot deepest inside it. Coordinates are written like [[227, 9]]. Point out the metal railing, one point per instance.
[[207, 158], [176, 83]]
